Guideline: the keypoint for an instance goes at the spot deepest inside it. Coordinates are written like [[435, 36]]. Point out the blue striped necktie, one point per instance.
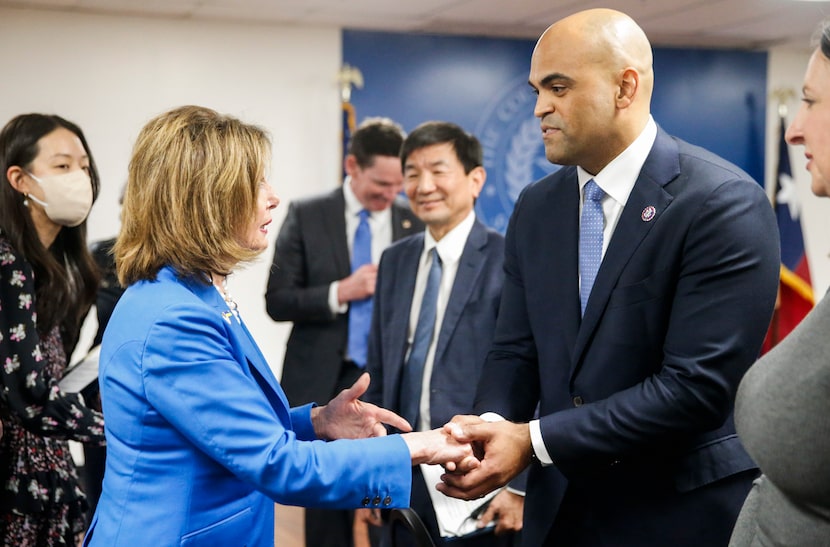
[[413, 373], [590, 240], [360, 311]]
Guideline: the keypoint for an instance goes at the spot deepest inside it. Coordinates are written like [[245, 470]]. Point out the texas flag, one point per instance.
[[795, 292]]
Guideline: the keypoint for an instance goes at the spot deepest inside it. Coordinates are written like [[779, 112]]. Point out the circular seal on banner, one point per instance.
[[514, 155]]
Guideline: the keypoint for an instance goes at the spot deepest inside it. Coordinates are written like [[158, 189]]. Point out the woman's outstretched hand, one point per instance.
[[347, 417]]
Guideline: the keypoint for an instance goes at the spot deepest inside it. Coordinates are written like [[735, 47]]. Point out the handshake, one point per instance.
[[478, 456]]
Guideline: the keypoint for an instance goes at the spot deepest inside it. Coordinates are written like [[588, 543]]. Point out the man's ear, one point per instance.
[[350, 165], [477, 177], [629, 84]]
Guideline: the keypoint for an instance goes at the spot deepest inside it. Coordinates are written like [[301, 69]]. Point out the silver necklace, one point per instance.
[[228, 298]]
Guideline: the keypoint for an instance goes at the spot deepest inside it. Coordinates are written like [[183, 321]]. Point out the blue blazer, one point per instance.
[[637, 396], [469, 322], [200, 438]]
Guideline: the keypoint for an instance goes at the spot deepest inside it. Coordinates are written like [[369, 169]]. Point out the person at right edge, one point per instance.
[[782, 403], [639, 283]]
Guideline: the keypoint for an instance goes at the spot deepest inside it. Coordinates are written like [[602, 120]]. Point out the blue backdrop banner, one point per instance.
[[712, 98]]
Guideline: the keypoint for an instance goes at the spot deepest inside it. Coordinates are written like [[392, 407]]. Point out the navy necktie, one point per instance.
[[590, 240], [360, 311], [413, 372]]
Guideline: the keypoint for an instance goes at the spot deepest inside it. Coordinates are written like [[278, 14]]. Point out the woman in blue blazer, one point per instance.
[[200, 437]]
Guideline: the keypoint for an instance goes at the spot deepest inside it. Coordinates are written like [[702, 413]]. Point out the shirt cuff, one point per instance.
[[514, 491], [334, 305], [492, 417], [538, 443]]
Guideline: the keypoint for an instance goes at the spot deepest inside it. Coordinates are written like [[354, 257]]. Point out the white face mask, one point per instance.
[[68, 197]]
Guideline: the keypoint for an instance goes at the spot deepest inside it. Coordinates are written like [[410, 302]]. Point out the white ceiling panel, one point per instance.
[[748, 24]]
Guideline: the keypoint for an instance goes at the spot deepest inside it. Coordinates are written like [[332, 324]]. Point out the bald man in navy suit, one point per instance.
[[633, 366]]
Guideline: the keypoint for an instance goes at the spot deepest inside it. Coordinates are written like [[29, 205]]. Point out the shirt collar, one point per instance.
[[353, 206], [451, 245], [617, 179]]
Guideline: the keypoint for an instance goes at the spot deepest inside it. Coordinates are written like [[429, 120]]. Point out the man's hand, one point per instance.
[[347, 417], [502, 447], [506, 508], [359, 285], [439, 447]]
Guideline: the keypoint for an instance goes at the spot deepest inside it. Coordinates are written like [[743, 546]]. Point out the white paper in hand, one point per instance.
[[82, 373], [455, 516]]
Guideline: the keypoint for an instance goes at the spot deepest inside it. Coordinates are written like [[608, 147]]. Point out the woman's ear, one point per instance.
[[18, 179]]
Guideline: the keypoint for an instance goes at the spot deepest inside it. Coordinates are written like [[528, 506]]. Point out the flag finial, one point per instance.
[[347, 77], [782, 96]]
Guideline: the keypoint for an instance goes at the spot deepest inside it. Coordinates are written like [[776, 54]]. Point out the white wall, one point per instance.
[[112, 74], [786, 70]]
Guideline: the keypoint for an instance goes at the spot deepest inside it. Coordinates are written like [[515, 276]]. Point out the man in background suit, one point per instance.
[[313, 284], [443, 176], [639, 283]]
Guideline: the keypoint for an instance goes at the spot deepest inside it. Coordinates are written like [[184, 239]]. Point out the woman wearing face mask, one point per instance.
[[47, 283]]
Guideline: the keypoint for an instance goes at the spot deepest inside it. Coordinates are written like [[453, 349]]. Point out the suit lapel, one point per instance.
[[210, 296], [402, 224], [636, 220], [557, 257], [469, 268], [333, 221], [400, 295]]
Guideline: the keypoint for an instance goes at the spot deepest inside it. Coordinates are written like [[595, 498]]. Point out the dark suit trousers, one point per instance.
[[650, 518]]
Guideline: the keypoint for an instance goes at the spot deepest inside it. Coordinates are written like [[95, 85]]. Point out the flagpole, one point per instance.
[[781, 95], [347, 77]]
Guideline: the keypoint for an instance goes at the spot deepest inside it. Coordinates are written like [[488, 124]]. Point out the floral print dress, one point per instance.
[[40, 501]]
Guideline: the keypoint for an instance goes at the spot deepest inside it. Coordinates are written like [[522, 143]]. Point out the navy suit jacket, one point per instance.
[[200, 438], [469, 321], [312, 251], [638, 394]]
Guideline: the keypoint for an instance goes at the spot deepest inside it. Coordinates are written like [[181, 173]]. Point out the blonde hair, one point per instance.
[[190, 194]]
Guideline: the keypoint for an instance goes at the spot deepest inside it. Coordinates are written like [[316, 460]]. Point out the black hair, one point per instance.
[[66, 276], [376, 137], [466, 146]]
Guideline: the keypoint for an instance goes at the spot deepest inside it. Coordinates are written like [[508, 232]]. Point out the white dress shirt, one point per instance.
[[449, 249]]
